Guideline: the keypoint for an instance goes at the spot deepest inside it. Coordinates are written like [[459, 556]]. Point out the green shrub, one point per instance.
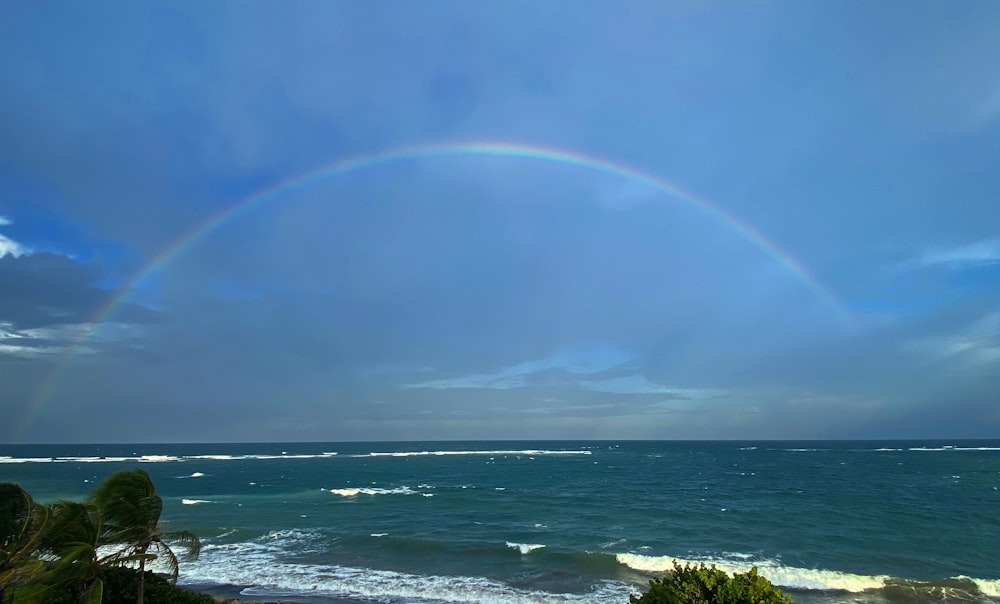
[[122, 584], [121, 587], [698, 584]]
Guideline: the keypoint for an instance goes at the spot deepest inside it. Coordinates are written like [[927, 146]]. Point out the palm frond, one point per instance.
[[169, 559], [185, 539], [130, 506]]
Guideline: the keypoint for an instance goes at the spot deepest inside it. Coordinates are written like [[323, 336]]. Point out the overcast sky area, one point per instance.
[[828, 268]]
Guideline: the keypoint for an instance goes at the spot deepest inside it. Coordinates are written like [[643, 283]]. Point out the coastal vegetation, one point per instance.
[[91, 552], [698, 584]]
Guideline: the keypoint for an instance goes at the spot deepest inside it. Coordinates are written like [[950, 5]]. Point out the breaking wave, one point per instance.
[[258, 565], [812, 579], [155, 458], [354, 492], [525, 548], [500, 452]]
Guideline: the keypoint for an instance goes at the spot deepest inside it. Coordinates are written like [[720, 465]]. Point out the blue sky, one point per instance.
[[468, 296]]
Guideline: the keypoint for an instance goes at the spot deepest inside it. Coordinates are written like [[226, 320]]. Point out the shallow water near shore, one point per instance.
[[562, 521]]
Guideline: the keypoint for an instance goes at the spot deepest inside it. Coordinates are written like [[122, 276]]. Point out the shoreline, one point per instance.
[[232, 594]]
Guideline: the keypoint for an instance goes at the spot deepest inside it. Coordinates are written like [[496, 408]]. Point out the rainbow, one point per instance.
[[286, 188]]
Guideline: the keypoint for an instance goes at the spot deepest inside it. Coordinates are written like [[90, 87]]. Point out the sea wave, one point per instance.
[[990, 587], [194, 501], [262, 563], [951, 448], [158, 458], [354, 492], [477, 452], [525, 548], [257, 567], [783, 576], [959, 588]]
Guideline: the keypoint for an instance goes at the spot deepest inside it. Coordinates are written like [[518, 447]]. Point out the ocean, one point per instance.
[[587, 522]]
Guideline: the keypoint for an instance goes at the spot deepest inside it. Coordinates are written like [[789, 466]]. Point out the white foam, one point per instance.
[[158, 458], [505, 452], [354, 492], [989, 587], [289, 534], [378, 534], [285, 455], [8, 459], [257, 565], [194, 501], [525, 548], [780, 575], [953, 448]]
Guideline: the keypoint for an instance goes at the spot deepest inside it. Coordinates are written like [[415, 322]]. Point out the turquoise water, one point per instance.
[[563, 521]]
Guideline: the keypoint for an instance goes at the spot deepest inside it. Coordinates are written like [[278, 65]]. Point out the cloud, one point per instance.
[[49, 304], [974, 348], [559, 368], [980, 253], [9, 247], [989, 110], [637, 383], [63, 339]]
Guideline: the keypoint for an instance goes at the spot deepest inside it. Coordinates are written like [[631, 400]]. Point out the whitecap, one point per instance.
[[989, 587], [525, 548], [194, 501], [473, 452], [780, 575], [7, 459], [158, 458], [259, 565], [354, 492]]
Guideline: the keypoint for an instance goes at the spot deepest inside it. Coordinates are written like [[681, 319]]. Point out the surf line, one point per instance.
[[340, 167]]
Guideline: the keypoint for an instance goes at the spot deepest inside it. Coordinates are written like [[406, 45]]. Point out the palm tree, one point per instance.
[[131, 512], [69, 545], [21, 524]]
